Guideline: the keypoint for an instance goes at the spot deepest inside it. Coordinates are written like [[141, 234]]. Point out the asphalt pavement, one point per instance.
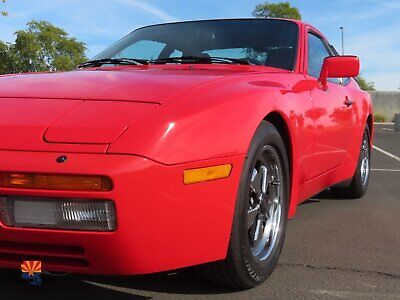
[[334, 249]]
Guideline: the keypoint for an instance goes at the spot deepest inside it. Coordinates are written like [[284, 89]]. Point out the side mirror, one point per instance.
[[338, 67]]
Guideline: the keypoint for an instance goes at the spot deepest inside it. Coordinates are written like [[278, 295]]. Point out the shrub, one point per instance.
[[378, 117]]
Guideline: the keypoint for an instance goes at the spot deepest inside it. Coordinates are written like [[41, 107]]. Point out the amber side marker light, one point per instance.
[[206, 174], [55, 182]]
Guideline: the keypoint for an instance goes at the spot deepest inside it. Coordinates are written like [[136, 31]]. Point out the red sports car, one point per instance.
[[183, 144]]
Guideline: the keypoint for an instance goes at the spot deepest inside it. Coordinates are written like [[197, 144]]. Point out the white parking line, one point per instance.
[[385, 170], [387, 153], [355, 295]]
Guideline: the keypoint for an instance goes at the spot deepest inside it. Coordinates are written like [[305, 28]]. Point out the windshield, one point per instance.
[[265, 42]]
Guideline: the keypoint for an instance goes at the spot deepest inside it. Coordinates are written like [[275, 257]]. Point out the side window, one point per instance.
[[316, 55]]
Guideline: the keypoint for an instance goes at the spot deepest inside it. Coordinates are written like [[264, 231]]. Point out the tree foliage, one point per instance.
[[5, 59], [41, 47], [364, 85], [276, 10], [3, 12]]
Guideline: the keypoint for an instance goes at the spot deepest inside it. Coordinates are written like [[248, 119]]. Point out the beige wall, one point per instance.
[[386, 104]]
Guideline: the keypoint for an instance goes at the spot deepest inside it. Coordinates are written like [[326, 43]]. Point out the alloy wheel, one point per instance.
[[265, 203]]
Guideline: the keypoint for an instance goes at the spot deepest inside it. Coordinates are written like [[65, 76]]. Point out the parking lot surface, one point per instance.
[[334, 249]]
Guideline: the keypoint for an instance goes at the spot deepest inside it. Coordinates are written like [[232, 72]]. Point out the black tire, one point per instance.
[[359, 184], [243, 269]]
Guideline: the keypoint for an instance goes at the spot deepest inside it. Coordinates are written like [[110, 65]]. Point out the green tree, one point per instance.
[[3, 12], [364, 85], [42, 47], [276, 10], [4, 58], [7, 59]]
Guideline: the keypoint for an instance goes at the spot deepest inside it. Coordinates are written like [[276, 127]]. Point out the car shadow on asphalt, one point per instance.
[[185, 282], [329, 194]]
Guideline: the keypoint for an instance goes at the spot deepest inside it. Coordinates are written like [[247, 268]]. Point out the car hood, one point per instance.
[[86, 111], [150, 84]]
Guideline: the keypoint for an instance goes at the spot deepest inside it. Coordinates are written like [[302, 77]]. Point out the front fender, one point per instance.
[[219, 120], [211, 121]]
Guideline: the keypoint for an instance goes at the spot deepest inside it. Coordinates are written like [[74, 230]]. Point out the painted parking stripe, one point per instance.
[[385, 170], [387, 153], [355, 295]]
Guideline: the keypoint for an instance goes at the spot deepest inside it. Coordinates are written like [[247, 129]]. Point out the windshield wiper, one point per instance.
[[114, 61], [182, 60], [200, 59]]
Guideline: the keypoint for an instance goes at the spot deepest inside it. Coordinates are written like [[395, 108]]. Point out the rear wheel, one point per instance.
[[260, 218], [360, 180]]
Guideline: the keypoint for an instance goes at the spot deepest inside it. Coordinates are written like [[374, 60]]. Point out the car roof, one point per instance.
[[225, 19], [298, 22]]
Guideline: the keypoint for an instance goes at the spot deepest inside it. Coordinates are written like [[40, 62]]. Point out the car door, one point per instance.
[[332, 114]]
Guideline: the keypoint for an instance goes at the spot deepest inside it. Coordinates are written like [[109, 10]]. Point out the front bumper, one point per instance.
[[162, 224]]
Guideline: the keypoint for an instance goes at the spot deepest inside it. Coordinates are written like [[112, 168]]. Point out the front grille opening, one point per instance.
[[50, 255], [56, 250], [46, 260]]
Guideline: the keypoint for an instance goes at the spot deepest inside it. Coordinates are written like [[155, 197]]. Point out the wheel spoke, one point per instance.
[[275, 188], [257, 230], [264, 179], [268, 228], [251, 215], [276, 218], [255, 184]]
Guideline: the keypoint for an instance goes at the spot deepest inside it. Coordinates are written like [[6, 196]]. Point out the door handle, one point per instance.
[[348, 102]]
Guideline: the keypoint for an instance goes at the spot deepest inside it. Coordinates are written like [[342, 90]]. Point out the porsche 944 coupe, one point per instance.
[[183, 144]]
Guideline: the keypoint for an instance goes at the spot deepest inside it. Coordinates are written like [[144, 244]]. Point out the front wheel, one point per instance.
[[260, 218]]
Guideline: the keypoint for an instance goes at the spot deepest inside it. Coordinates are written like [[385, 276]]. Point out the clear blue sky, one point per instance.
[[372, 27]]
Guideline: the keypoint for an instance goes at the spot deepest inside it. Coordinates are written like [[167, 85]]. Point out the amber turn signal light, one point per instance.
[[206, 174], [55, 182]]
